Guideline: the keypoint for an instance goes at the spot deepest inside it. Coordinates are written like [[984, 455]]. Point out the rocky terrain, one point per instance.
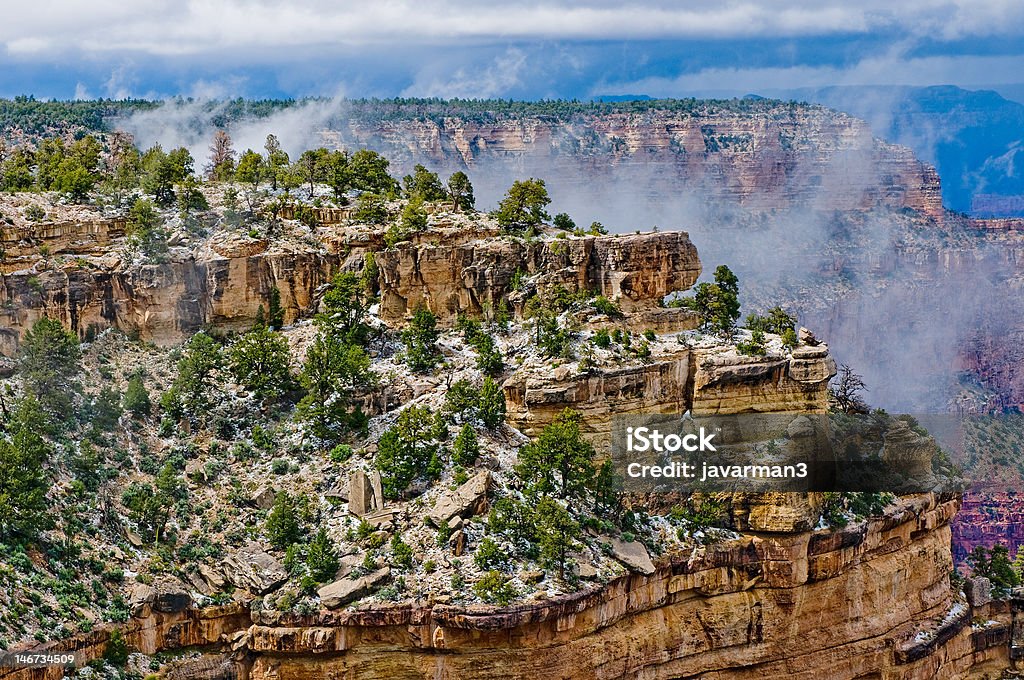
[[741, 590]]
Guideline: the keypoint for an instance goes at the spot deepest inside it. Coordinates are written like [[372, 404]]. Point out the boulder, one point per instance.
[[170, 596], [457, 543], [263, 497], [347, 590], [254, 569], [806, 337], [212, 576], [978, 591], [633, 555], [466, 501], [140, 596], [364, 493]]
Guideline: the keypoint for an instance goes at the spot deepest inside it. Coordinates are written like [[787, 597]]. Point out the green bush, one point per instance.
[[494, 588]]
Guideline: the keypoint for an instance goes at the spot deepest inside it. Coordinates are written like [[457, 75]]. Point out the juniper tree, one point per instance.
[[423, 185], [460, 191], [420, 338], [557, 531], [260, 361], [522, 208], [49, 364], [407, 451], [24, 485], [282, 524], [559, 462], [322, 558]]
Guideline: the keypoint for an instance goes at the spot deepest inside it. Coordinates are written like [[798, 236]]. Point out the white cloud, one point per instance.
[[158, 27], [503, 73], [889, 69]]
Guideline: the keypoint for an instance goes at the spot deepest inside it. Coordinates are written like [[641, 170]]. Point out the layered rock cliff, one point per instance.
[[760, 155]]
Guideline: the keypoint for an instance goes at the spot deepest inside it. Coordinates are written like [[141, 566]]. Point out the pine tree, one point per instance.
[[260, 362], [136, 398], [322, 558], [492, 404], [406, 450], [24, 507], [558, 533], [275, 317], [420, 340], [49, 364], [282, 525], [559, 462], [466, 448]]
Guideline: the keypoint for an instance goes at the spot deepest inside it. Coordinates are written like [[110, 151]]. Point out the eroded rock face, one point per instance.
[[776, 157], [776, 607], [675, 379], [450, 279], [163, 303]]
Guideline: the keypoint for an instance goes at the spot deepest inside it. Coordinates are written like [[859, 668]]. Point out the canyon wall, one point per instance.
[[636, 270], [453, 270], [676, 379], [771, 156]]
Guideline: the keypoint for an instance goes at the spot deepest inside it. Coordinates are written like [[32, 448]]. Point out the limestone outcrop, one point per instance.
[[224, 283], [638, 270], [675, 379]]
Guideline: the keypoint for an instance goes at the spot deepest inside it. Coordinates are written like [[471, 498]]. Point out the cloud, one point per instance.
[[502, 74], [255, 27], [889, 69]]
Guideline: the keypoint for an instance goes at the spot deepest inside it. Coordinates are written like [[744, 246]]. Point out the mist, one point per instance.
[[905, 303]]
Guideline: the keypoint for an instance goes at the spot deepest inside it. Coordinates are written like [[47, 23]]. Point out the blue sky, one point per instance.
[[518, 49]]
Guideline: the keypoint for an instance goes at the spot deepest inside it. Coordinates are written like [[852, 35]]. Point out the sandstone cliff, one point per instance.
[[763, 155]]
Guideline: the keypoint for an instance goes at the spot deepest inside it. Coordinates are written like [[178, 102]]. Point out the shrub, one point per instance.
[[494, 588], [401, 553], [489, 556]]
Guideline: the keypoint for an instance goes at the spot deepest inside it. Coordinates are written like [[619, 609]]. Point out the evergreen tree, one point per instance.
[[322, 558], [275, 317], [145, 228], [717, 304], [406, 451], [420, 340], [423, 185], [492, 404], [49, 365], [559, 462], [260, 362], [564, 222], [282, 524], [276, 161], [136, 397], [558, 533], [333, 370], [337, 174], [197, 369], [460, 192], [24, 507], [369, 171], [345, 305], [522, 208], [466, 448]]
